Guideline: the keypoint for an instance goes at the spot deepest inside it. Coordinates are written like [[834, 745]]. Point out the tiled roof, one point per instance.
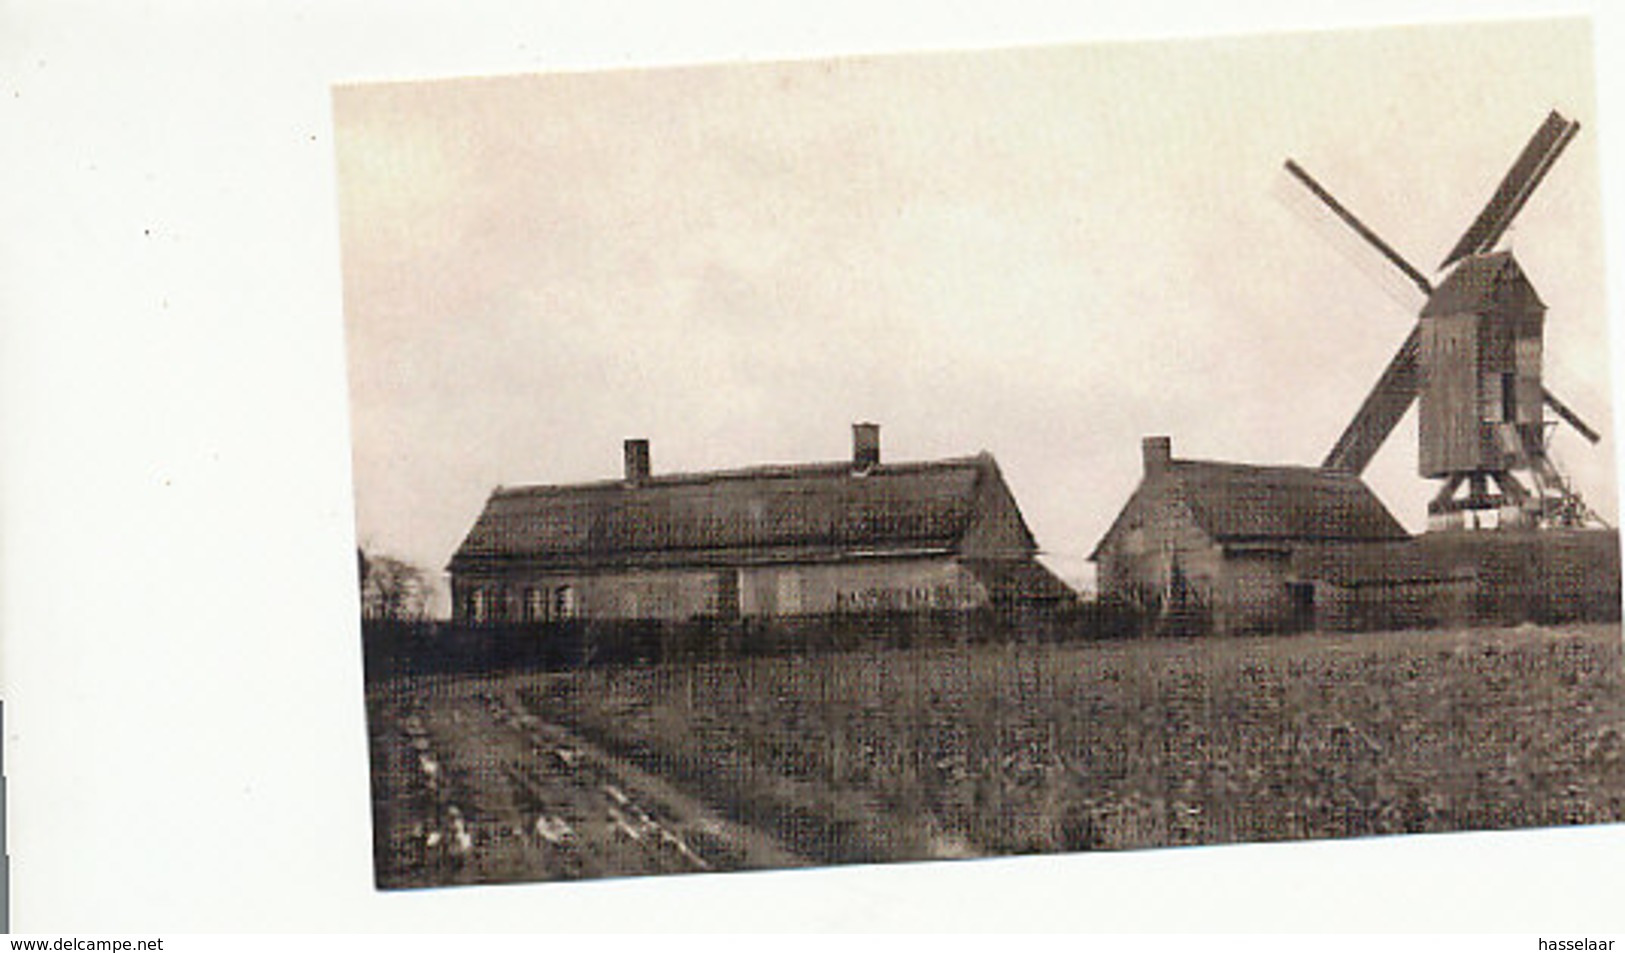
[[1240, 502]]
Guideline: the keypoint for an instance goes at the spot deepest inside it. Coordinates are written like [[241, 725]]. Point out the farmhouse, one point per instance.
[[770, 541], [1214, 544]]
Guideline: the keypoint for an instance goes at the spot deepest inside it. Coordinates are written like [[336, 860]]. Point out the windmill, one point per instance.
[[1472, 363]]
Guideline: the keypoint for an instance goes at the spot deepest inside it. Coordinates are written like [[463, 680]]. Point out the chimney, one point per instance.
[[865, 447], [1157, 452], [637, 461]]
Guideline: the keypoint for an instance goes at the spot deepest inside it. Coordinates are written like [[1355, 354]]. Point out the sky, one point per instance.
[[1045, 253]]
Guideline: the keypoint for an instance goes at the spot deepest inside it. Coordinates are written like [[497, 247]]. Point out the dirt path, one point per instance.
[[469, 787]]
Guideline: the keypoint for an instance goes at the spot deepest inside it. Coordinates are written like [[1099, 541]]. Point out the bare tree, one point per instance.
[[393, 589]]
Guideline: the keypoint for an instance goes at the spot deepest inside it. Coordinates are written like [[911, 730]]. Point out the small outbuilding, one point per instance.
[[1212, 545]]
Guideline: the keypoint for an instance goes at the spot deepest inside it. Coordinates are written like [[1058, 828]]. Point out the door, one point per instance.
[[1301, 597], [728, 594]]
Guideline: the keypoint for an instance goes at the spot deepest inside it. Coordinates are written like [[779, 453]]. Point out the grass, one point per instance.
[[1003, 749]]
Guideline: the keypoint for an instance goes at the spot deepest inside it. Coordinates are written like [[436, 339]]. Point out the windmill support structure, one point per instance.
[[1551, 502]]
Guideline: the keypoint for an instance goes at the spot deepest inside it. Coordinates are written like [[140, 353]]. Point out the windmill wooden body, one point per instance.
[[1473, 365]]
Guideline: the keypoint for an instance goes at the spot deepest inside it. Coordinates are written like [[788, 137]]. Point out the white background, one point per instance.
[[184, 739]]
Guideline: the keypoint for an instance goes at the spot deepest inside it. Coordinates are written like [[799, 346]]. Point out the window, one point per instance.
[[564, 602], [789, 592], [727, 604], [535, 605], [1301, 596]]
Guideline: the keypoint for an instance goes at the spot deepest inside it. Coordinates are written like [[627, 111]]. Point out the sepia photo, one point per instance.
[[954, 455]]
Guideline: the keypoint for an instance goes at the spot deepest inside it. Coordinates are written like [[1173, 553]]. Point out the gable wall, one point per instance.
[[1155, 534], [997, 528]]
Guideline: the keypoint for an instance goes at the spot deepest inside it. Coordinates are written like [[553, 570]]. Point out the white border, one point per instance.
[[183, 715]]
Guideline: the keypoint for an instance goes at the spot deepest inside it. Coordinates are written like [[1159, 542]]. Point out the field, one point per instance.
[[960, 751]]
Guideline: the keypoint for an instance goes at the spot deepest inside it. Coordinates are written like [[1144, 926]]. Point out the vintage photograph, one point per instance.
[[968, 454]]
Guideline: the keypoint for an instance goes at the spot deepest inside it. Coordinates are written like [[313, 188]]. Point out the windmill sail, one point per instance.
[[1380, 413], [1569, 416], [1397, 388], [1519, 183], [1386, 250]]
